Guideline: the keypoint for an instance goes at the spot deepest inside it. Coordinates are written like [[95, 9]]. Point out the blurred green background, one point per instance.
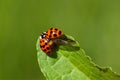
[[94, 23]]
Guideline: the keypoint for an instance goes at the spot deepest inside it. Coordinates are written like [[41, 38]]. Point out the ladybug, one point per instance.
[[46, 45], [52, 33], [51, 39]]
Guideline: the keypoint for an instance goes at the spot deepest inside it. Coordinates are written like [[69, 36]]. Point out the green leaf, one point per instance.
[[71, 63]]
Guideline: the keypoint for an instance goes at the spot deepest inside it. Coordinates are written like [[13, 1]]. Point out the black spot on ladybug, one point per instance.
[[59, 32], [48, 52], [45, 43], [51, 32], [43, 46], [55, 35], [47, 48], [50, 36], [51, 28], [40, 41], [56, 29], [44, 50]]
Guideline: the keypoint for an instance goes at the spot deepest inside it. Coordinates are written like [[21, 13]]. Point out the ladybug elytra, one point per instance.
[[51, 39], [46, 45], [54, 33]]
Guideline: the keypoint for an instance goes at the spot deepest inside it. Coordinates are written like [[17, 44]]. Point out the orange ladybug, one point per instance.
[[46, 45], [52, 33], [49, 40]]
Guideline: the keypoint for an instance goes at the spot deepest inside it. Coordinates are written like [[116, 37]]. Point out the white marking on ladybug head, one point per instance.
[[40, 37]]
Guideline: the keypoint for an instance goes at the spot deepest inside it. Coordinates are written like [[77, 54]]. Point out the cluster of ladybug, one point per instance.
[[49, 39]]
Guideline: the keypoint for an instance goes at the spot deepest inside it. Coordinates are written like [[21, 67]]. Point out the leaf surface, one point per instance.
[[71, 63]]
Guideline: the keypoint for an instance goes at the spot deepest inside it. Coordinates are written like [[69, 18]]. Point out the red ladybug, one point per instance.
[[46, 45], [52, 33], [49, 40]]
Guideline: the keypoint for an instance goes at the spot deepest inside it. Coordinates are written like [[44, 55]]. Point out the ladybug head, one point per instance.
[[43, 35]]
